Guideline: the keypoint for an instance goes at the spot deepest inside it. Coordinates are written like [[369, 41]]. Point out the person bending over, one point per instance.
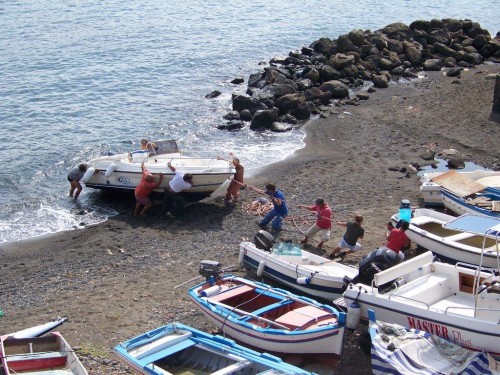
[[323, 223], [352, 234], [142, 191], [173, 201]]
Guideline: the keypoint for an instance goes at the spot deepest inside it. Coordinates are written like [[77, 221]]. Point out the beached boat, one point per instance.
[[176, 348], [458, 303], [399, 350], [49, 354], [267, 318], [427, 231], [486, 202], [298, 269], [431, 181], [123, 171]]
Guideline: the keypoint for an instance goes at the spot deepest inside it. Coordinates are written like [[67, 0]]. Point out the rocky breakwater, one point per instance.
[[326, 74]]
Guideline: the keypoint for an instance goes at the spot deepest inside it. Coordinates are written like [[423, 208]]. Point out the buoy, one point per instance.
[[241, 256], [353, 315], [210, 291], [110, 169], [88, 175], [260, 269], [304, 280]]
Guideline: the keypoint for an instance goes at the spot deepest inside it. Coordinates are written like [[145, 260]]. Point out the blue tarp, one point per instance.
[[476, 224]]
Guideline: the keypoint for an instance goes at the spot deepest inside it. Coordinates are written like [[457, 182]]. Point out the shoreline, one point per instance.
[[116, 279]]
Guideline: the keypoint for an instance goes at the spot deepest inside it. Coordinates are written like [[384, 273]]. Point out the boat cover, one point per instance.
[[477, 224], [397, 350], [458, 183]]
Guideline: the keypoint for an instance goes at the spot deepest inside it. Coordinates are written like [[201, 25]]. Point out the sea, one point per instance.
[[79, 79]]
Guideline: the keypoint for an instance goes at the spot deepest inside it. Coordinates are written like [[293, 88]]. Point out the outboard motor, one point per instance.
[[210, 269], [378, 260], [263, 240]]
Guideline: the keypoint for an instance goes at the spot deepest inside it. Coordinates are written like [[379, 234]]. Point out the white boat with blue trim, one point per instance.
[[296, 268], [180, 349], [427, 229], [431, 181], [124, 172], [268, 318], [459, 303]]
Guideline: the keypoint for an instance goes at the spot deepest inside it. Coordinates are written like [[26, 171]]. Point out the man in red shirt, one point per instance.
[[142, 191], [323, 221], [398, 240]]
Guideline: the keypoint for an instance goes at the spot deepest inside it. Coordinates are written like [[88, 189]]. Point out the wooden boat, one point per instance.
[[399, 350], [268, 318], [123, 171], [298, 269], [176, 348], [431, 193], [458, 303], [49, 354], [38, 330], [427, 231]]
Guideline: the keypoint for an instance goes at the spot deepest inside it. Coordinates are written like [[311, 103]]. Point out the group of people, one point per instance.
[[173, 202]]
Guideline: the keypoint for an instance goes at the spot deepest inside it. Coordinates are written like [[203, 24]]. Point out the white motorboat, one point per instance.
[[459, 303], [123, 171], [431, 181], [303, 271], [427, 231]]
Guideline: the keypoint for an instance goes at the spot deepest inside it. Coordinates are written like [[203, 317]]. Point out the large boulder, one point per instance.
[[433, 64], [263, 119], [398, 31], [414, 55], [380, 81], [244, 101], [288, 102], [338, 89], [340, 61]]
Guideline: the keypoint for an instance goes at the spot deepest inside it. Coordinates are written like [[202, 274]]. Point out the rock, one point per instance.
[[302, 112], [444, 49], [433, 64], [413, 55], [244, 101], [450, 62], [454, 72], [362, 96], [279, 127], [238, 80], [232, 115], [428, 154], [449, 153], [232, 125], [213, 94], [338, 89], [263, 119], [380, 81], [340, 61], [456, 163], [246, 115], [288, 102]]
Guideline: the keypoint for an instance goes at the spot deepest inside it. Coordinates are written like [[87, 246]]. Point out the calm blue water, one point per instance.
[[80, 78]]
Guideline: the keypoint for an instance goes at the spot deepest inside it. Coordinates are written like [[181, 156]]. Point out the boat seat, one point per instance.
[[424, 220], [303, 316], [429, 289], [459, 237], [35, 361], [456, 304], [233, 292]]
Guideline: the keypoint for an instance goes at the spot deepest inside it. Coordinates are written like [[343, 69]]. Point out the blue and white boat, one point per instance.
[[298, 269], [268, 318], [399, 350], [179, 349], [485, 202]]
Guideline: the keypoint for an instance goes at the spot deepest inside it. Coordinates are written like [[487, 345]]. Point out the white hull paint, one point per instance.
[[325, 277]]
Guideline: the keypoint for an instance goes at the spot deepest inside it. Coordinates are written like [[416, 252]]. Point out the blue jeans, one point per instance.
[[277, 222]]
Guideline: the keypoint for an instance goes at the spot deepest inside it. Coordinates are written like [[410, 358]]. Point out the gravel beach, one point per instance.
[[117, 279]]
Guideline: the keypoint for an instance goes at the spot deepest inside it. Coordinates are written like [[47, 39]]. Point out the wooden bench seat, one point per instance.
[[304, 316], [232, 292]]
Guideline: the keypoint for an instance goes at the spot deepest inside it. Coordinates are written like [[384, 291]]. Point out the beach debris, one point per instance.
[[109, 252]]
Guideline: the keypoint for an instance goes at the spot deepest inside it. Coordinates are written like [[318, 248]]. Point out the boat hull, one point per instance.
[[437, 298], [39, 354], [431, 192], [318, 340], [426, 230], [461, 207], [118, 172], [324, 277], [176, 348]]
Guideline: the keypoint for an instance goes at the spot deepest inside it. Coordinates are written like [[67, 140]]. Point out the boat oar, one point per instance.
[[243, 312]]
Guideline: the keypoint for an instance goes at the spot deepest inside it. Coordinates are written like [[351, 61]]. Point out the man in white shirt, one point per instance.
[[173, 202]]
